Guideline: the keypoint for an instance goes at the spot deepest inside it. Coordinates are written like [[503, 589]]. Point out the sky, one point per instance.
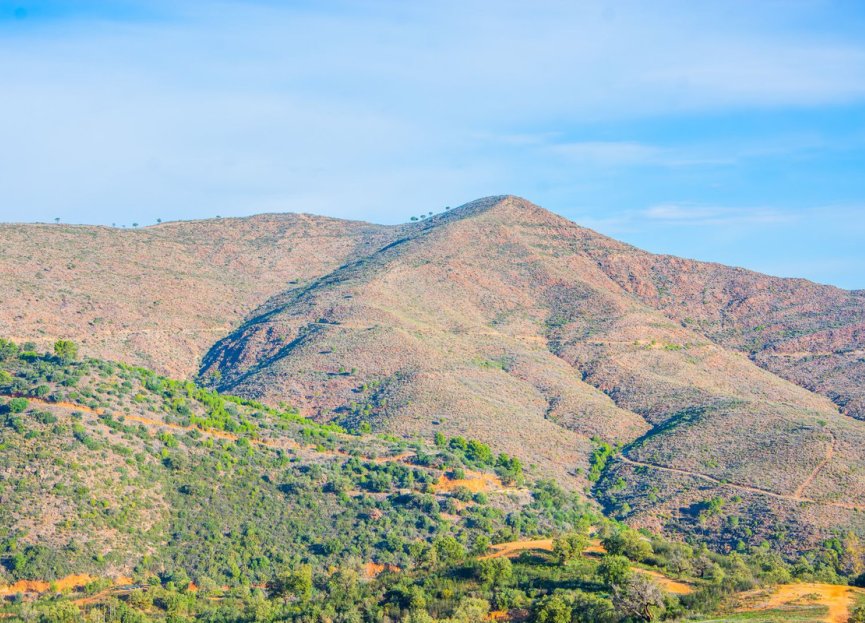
[[730, 131]]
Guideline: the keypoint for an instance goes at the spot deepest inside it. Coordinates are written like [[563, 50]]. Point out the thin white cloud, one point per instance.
[[685, 214]]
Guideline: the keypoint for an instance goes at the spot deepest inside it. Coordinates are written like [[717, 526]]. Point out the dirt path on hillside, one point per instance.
[[666, 583], [756, 490], [830, 452], [512, 548], [838, 599]]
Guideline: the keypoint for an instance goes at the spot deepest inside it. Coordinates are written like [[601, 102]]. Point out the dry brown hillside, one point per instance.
[[161, 296], [504, 322], [811, 334]]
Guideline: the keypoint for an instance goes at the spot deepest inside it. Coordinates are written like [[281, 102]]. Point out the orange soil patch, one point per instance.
[[595, 547], [668, 584], [476, 482], [498, 615], [374, 569], [39, 586], [515, 547], [837, 599]]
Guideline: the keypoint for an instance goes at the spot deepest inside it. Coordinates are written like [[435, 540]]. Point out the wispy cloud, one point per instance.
[[685, 214]]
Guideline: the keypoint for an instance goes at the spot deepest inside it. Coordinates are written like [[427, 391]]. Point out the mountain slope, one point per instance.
[[811, 334], [111, 470], [498, 319]]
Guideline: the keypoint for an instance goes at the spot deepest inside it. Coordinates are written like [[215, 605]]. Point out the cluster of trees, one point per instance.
[[327, 507], [478, 454]]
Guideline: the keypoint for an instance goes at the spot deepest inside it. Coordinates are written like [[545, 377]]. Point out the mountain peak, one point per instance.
[[504, 208]]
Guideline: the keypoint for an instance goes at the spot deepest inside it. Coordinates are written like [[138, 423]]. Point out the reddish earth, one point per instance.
[[374, 569], [70, 582], [476, 482], [838, 599]]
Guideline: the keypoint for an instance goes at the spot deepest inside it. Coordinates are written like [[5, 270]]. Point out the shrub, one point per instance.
[[614, 569], [17, 405], [628, 543]]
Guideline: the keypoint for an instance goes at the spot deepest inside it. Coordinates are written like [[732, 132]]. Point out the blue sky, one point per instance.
[[726, 131]]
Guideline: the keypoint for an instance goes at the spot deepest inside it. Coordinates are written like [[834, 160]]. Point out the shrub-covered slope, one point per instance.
[[498, 321], [108, 469], [160, 296]]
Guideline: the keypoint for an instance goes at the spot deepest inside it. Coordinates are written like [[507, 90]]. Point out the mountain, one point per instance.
[[687, 397]]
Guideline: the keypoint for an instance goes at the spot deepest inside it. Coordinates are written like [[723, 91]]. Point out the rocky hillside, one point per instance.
[[686, 396]]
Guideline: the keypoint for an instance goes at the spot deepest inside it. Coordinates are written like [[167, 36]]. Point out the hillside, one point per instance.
[[111, 470], [160, 296], [687, 397]]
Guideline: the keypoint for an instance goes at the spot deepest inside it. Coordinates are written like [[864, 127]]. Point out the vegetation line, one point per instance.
[[284, 443]]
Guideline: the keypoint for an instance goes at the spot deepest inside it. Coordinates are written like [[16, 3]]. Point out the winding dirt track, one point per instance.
[[830, 452], [796, 496]]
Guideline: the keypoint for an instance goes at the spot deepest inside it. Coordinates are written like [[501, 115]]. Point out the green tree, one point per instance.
[[569, 546], [628, 543], [471, 610], [614, 569], [495, 572], [589, 608], [18, 405], [7, 349], [66, 350], [449, 550], [296, 583], [552, 609]]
